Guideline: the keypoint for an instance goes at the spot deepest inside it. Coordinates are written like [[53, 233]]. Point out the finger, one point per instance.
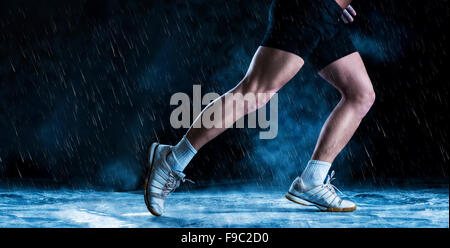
[[351, 10], [348, 16], [344, 19]]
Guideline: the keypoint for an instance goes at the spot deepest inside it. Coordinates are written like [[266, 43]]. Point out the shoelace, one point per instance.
[[331, 186], [173, 183]]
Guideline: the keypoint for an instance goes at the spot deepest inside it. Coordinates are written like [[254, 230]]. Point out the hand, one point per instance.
[[348, 14]]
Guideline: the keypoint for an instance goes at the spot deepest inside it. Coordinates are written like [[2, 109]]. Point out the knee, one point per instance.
[[256, 92], [361, 99], [254, 85]]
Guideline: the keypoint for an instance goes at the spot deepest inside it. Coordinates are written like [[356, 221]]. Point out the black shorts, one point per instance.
[[311, 29]]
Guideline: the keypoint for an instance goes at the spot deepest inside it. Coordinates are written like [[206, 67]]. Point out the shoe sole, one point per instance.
[[303, 202], [150, 157]]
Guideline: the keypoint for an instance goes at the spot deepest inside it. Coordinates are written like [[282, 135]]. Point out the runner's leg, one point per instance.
[[349, 76]]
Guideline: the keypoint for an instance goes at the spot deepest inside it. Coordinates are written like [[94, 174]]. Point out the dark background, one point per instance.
[[85, 89]]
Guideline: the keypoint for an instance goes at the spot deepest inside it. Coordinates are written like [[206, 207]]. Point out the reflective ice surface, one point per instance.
[[218, 208]]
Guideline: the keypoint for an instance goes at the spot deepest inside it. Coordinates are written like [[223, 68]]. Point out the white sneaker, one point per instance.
[[323, 196], [160, 179]]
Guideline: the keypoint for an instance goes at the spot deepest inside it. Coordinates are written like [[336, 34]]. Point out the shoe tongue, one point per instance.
[[326, 179]]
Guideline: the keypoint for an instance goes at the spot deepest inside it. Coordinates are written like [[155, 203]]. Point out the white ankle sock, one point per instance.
[[315, 173], [181, 154]]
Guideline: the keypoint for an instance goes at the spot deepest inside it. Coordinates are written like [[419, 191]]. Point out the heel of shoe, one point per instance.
[[149, 163], [151, 153]]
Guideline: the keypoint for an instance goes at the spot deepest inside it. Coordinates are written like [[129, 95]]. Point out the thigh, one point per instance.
[[348, 74], [271, 69]]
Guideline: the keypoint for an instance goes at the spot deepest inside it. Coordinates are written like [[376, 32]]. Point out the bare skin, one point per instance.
[[343, 3], [271, 69], [349, 76], [347, 10]]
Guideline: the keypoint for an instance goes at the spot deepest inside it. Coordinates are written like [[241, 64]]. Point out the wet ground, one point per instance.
[[221, 208]]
